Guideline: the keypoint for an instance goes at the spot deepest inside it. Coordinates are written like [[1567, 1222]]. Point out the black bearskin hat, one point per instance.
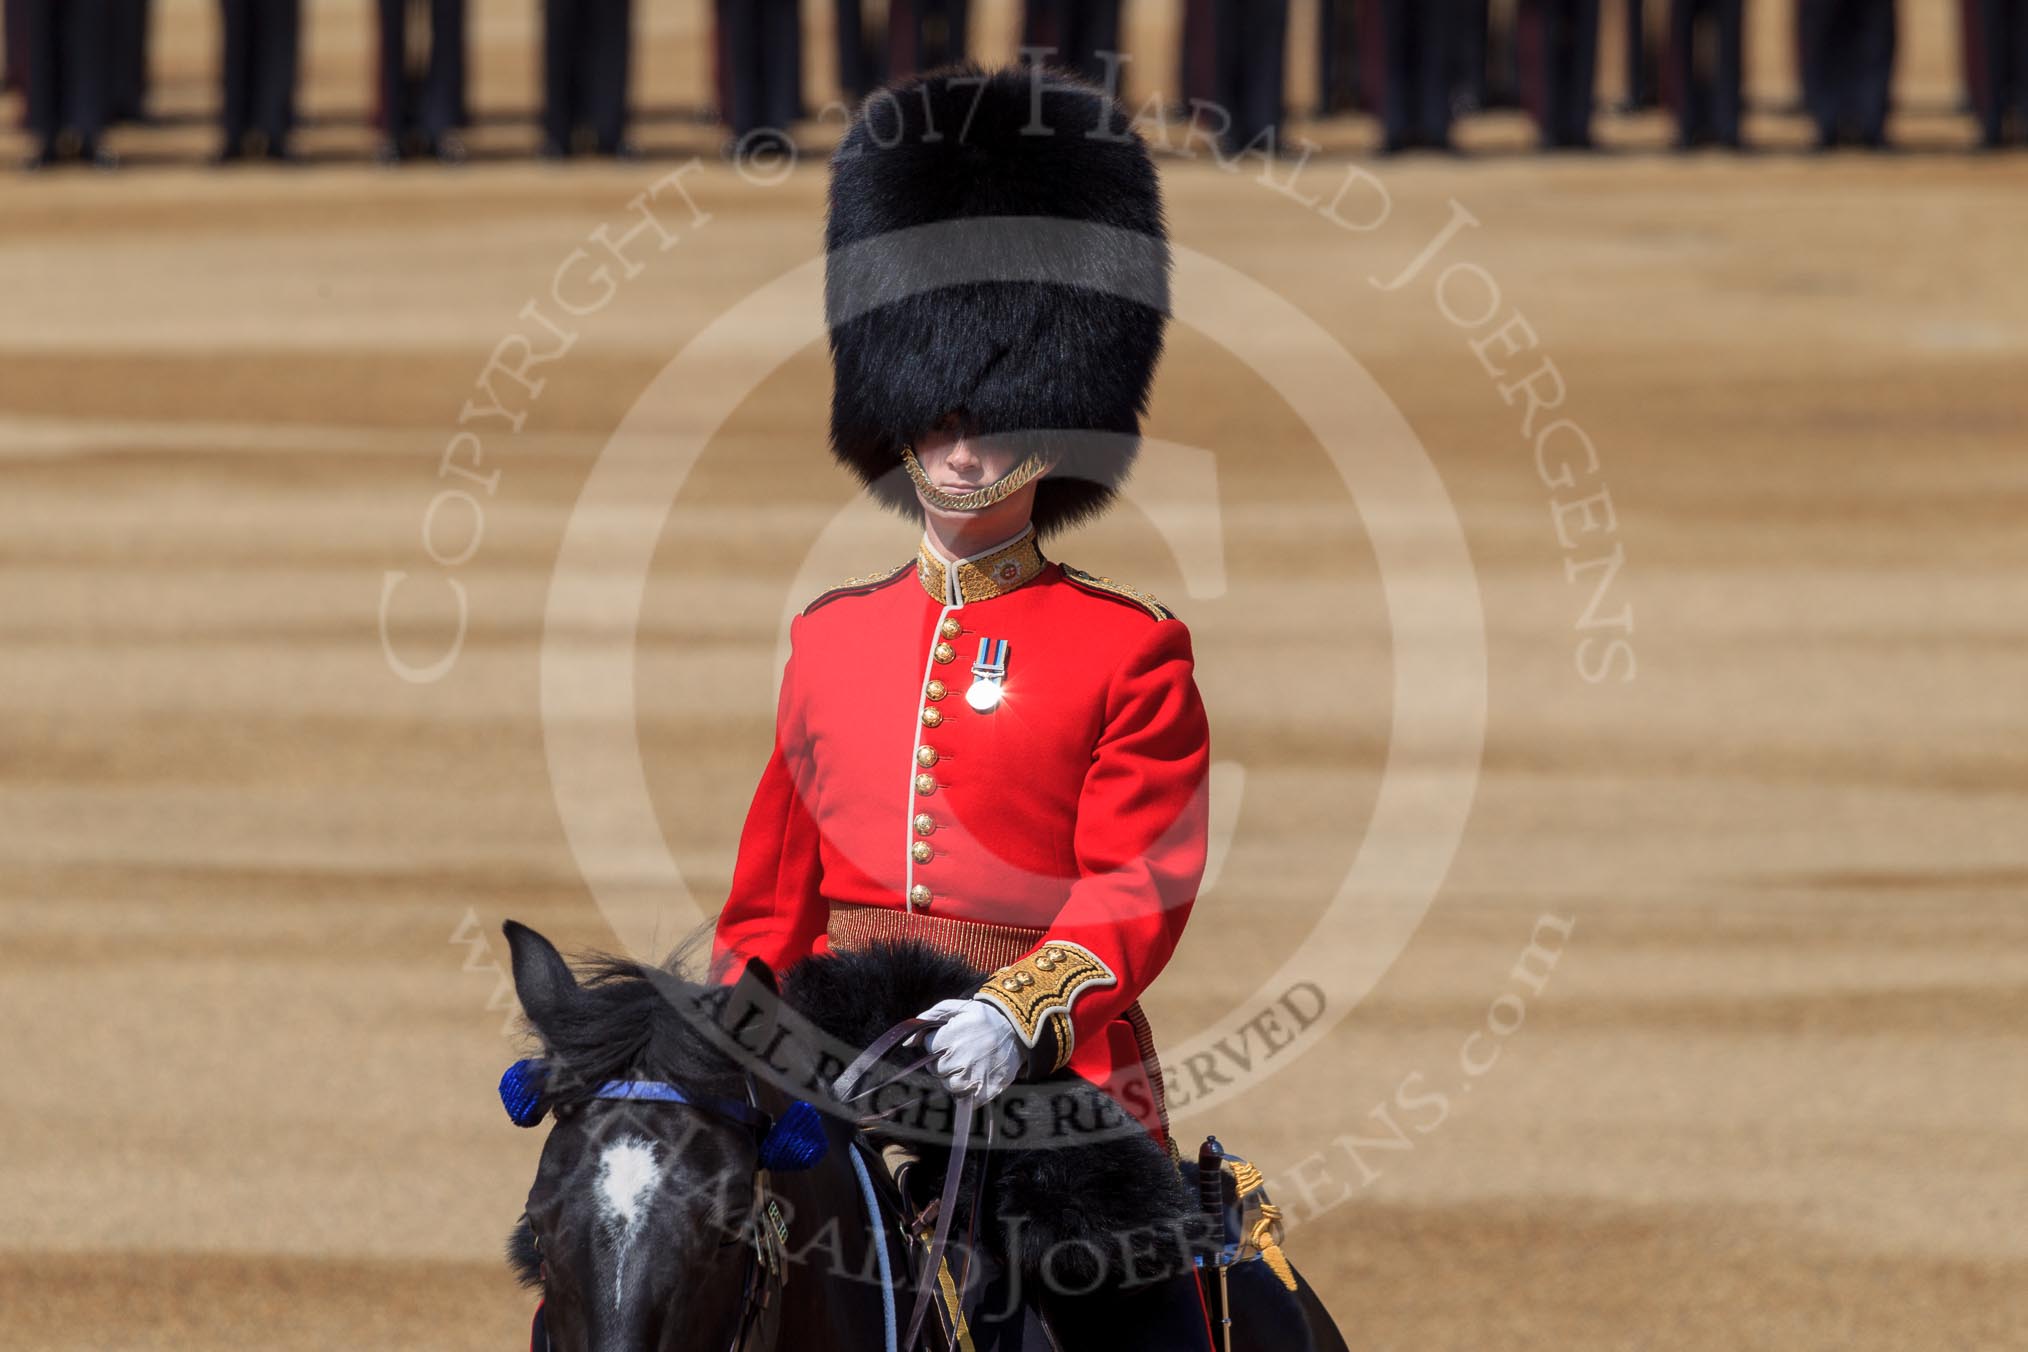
[[951, 193]]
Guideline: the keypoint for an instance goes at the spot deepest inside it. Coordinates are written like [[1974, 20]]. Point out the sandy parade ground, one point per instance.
[[1714, 1034]]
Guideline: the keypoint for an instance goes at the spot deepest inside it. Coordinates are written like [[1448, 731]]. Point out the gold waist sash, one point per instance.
[[986, 947]]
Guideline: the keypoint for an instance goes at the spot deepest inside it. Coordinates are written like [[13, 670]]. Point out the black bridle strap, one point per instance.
[[765, 1275]]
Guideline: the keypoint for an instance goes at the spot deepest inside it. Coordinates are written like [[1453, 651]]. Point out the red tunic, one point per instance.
[[1061, 829]]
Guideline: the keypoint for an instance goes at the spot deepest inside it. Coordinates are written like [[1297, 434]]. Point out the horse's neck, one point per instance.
[[834, 1296]]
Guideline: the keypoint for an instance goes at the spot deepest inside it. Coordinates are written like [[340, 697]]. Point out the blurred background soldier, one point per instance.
[[924, 34], [1085, 36], [760, 61], [1418, 64], [129, 81], [419, 93], [1339, 88], [1996, 50], [857, 62], [66, 73], [1491, 55], [1250, 46], [1638, 55], [1707, 100], [1471, 26], [262, 48], [1847, 54], [1559, 69], [585, 50], [1197, 55], [13, 45], [1970, 57]]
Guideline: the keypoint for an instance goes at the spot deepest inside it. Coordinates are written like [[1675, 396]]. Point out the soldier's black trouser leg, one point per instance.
[[1818, 25], [42, 70], [762, 88], [1576, 87], [1873, 73], [13, 44], [1400, 113], [1436, 70], [781, 49], [2017, 85], [850, 27], [393, 68], [738, 41], [1255, 33], [2002, 49], [277, 44], [1635, 52], [1710, 94], [563, 23], [1728, 86], [127, 78], [235, 69], [607, 56], [443, 83], [1091, 35]]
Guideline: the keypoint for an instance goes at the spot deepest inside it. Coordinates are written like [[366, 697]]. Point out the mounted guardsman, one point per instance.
[[982, 748]]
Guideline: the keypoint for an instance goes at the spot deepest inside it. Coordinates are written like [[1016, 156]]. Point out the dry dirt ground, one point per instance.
[[1762, 1084]]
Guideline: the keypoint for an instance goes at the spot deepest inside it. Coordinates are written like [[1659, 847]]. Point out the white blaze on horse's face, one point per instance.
[[629, 1171]]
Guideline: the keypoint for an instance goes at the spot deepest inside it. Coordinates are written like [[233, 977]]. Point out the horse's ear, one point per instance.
[[761, 975], [796, 1137], [542, 978], [756, 1007]]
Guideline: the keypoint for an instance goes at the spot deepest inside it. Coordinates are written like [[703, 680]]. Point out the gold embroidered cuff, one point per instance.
[[1038, 991]]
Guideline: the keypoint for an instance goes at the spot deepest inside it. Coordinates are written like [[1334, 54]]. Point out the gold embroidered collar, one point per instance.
[[979, 576]]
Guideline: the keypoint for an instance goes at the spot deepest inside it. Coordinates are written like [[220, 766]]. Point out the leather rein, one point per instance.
[[848, 1089]]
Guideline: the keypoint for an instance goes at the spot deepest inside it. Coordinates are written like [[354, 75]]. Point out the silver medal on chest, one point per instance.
[[987, 675]]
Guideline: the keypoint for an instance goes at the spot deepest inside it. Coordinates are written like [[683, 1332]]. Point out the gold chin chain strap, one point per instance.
[[1266, 1236], [1031, 468]]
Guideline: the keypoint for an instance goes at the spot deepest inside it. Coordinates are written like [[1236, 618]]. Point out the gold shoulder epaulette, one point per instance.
[[863, 583], [1108, 587]]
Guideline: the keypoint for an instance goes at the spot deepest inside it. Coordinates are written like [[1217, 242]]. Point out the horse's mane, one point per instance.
[[635, 1020]]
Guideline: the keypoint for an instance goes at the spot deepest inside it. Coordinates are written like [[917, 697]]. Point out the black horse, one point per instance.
[[656, 1221]]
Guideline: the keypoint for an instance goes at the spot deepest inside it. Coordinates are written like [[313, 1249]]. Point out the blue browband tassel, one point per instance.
[[796, 1141], [521, 1093]]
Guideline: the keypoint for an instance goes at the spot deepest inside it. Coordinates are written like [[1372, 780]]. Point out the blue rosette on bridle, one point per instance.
[[521, 1093], [796, 1141]]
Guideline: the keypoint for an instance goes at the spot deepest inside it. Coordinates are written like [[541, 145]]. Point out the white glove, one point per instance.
[[977, 1051]]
